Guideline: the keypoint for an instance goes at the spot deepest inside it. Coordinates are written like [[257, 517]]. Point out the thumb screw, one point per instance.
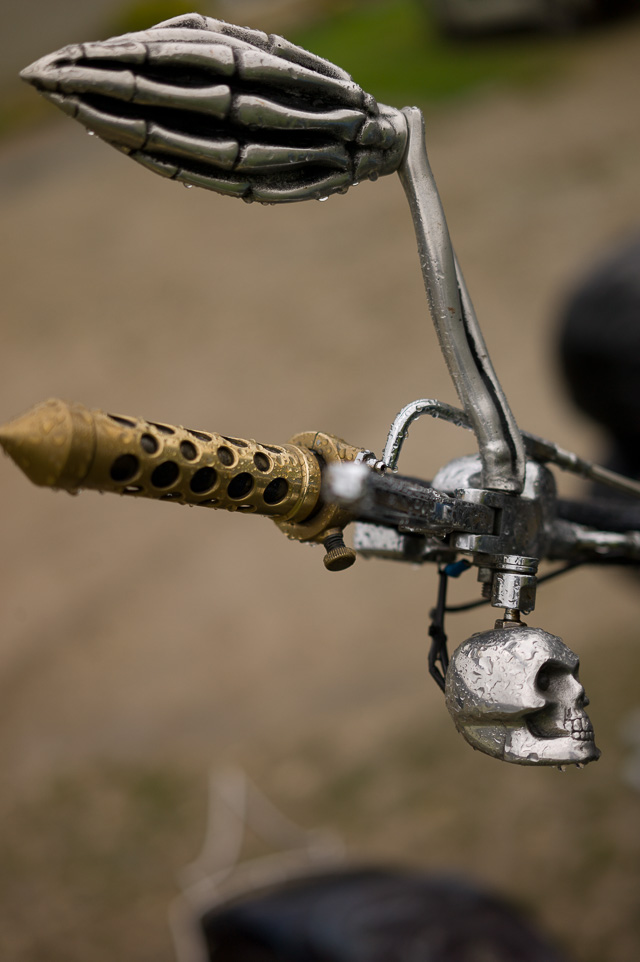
[[338, 556]]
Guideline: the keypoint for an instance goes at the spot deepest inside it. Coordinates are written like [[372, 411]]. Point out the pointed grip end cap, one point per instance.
[[42, 441]]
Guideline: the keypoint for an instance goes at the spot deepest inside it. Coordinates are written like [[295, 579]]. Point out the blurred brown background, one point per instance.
[[142, 644]]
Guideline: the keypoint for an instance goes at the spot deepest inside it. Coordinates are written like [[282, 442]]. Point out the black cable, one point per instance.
[[438, 655]]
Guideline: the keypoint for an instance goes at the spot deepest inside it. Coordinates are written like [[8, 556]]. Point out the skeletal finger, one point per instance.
[[317, 187], [264, 68], [218, 153], [252, 111], [125, 85], [260, 157], [122, 132], [261, 66], [222, 184], [271, 43]]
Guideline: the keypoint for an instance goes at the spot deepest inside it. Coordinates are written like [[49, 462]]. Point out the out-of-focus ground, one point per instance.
[[142, 644]]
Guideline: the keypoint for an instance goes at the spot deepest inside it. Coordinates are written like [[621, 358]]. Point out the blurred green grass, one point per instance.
[[393, 49], [21, 109], [142, 14]]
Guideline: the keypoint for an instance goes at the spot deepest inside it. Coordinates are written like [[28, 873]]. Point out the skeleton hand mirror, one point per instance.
[[227, 108], [514, 693]]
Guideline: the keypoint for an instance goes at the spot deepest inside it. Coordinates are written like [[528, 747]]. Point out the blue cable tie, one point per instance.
[[456, 568]]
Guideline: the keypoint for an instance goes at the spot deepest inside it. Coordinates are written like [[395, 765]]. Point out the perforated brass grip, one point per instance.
[[67, 446]]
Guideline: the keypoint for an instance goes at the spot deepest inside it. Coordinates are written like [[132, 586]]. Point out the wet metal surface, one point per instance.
[[514, 693]]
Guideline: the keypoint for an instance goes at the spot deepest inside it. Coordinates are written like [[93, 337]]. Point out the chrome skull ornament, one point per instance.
[[514, 693]]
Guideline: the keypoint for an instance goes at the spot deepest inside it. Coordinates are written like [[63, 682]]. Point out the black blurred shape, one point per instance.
[[479, 19], [372, 915], [600, 352]]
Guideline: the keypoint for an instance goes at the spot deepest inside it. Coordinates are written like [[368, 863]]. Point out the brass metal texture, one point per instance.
[[67, 446], [338, 555], [53, 444], [328, 450]]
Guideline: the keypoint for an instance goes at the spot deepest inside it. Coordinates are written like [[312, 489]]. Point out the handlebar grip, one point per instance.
[[67, 446]]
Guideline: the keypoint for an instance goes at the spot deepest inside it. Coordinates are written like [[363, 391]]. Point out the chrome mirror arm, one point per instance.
[[499, 441]]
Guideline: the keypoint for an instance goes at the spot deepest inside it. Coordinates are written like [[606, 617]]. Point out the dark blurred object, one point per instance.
[[467, 18], [600, 353], [372, 915]]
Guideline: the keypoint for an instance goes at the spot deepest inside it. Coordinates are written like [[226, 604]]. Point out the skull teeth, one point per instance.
[[581, 728]]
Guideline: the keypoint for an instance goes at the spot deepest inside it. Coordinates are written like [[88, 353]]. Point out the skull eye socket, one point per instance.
[[544, 679], [548, 674]]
